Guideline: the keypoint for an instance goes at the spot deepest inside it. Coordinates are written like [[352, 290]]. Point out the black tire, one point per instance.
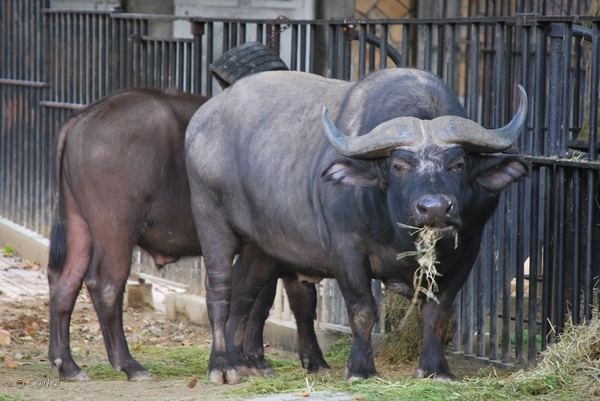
[[243, 60]]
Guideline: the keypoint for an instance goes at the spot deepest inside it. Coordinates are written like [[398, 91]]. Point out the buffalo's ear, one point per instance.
[[495, 173], [355, 172]]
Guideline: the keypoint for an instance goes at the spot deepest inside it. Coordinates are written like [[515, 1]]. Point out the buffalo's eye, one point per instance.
[[458, 167], [400, 167]]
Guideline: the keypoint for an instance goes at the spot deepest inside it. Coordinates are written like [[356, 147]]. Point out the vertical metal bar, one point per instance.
[[242, 33], [162, 69], [469, 291], [330, 51], [180, 65], [383, 46], [210, 49], [313, 48], [346, 33], [362, 50], [502, 227], [303, 40], [576, 265], [405, 45], [294, 48], [482, 290], [591, 175], [492, 266], [450, 42], [226, 36], [371, 48], [233, 35], [457, 322], [474, 81], [259, 33], [427, 49], [440, 51], [339, 43]]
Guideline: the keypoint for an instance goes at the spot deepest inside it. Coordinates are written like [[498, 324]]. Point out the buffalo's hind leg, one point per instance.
[[254, 287], [218, 258], [253, 346], [106, 280], [303, 302], [70, 248]]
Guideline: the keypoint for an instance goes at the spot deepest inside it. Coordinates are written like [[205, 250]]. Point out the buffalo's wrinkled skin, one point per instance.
[[122, 182], [265, 173]]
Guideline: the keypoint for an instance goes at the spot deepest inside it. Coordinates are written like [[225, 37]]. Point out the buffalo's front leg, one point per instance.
[[436, 318], [432, 362], [355, 285]]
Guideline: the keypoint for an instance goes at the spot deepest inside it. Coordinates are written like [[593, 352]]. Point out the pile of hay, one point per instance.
[[402, 342], [400, 345], [572, 361]]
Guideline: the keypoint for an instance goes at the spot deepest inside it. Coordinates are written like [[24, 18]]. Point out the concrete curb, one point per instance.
[[27, 244], [279, 334]]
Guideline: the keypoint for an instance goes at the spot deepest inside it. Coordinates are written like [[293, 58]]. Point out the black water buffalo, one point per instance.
[[122, 182], [324, 194]]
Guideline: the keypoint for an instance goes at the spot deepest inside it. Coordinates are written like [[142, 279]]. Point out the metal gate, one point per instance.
[[538, 263]]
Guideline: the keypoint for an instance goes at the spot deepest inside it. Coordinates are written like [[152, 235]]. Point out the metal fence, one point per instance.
[[538, 263]]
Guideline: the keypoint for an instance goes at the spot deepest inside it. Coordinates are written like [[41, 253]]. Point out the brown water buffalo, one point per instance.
[[122, 182]]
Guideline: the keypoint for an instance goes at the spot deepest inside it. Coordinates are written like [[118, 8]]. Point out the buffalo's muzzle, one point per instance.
[[437, 211]]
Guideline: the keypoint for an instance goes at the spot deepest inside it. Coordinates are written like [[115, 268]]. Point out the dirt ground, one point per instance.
[[24, 368], [25, 372]]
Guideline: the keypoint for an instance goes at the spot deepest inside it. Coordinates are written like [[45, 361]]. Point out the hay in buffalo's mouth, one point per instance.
[[425, 255]]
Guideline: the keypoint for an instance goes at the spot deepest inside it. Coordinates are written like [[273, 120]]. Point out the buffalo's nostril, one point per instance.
[[450, 209], [422, 209]]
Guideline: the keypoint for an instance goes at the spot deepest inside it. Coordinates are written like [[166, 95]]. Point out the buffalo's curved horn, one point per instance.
[[379, 142], [473, 137]]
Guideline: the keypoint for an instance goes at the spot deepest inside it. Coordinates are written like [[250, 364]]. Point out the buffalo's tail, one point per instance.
[[58, 244], [58, 235]]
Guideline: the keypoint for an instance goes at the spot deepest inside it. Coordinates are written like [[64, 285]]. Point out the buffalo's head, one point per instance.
[[433, 170]]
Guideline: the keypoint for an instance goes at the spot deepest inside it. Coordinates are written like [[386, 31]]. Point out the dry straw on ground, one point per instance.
[[574, 360]]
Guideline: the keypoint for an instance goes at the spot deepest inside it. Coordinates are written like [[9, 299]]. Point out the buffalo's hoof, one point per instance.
[[141, 376], [319, 367], [268, 372], [244, 371], [352, 377], [421, 374], [320, 370], [80, 376], [219, 377]]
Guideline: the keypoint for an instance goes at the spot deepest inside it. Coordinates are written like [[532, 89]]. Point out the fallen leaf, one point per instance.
[[11, 362], [5, 337], [302, 395], [193, 382]]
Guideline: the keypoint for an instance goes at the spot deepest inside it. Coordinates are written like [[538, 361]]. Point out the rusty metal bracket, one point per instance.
[[276, 29]]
